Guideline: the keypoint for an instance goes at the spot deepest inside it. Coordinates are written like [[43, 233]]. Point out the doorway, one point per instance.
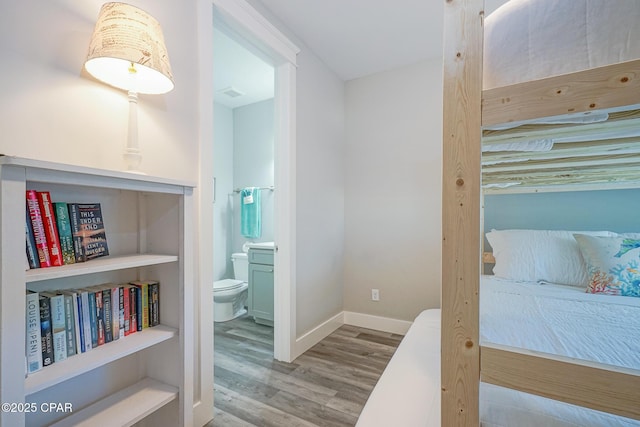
[[243, 164], [238, 20], [237, 17]]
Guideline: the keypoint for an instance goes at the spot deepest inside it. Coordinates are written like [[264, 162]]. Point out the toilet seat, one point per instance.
[[227, 285]]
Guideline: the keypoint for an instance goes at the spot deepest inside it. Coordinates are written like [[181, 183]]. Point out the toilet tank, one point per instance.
[[240, 266]]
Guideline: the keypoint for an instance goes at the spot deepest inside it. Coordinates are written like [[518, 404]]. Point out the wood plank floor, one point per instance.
[[326, 386]]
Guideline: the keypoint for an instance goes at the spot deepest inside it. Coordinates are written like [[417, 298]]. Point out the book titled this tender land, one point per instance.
[[89, 235]]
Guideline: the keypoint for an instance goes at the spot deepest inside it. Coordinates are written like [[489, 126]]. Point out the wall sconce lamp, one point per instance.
[[127, 51]]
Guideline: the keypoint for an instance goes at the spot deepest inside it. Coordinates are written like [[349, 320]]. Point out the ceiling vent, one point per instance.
[[231, 92]]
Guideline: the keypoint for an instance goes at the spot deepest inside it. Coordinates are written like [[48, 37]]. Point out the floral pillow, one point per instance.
[[613, 263]]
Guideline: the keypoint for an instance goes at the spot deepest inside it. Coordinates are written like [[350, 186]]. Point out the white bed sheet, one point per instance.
[[560, 320], [551, 318], [578, 35]]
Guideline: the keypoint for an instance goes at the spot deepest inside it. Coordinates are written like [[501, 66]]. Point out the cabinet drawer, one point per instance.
[[261, 256]]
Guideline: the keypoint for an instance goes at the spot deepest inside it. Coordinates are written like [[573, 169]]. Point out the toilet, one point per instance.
[[230, 295]]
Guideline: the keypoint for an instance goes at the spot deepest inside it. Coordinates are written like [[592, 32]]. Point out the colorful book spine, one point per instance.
[[70, 323], [46, 332], [126, 309], [143, 303], [99, 316], [58, 327], [115, 311], [64, 232], [32, 251], [86, 320], [33, 339], [37, 226], [79, 323], [76, 307], [76, 231], [107, 314], [50, 227], [138, 305], [154, 303], [133, 309], [93, 318]]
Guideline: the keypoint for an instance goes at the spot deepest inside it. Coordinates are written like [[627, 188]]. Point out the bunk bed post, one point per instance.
[[460, 357]]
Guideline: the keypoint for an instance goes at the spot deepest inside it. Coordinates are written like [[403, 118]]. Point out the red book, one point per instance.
[[33, 208], [133, 309], [126, 299], [50, 227]]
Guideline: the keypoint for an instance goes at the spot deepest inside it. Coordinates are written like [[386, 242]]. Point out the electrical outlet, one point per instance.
[[375, 295]]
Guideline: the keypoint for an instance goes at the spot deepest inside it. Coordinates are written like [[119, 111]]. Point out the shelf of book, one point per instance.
[[142, 214], [98, 265], [125, 407], [99, 356]]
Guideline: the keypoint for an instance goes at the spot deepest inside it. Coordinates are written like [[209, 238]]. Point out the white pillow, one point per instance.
[[540, 255]]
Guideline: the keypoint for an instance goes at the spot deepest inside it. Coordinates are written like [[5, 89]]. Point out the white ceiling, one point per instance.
[[237, 68], [360, 37], [354, 38]]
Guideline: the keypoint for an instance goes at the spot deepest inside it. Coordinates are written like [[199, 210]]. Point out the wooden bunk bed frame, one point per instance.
[[466, 108]]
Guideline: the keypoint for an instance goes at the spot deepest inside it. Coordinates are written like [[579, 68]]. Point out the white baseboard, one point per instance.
[[320, 332], [378, 323], [317, 334]]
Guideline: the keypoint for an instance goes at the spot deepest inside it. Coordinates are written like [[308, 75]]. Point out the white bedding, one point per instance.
[[551, 318], [561, 320], [408, 392], [578, 34]]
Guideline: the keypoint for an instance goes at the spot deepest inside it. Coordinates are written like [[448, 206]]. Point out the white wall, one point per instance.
[[51, 110], [320, 193], [253, 164], [223, 206], [393, 191], [242, 157]]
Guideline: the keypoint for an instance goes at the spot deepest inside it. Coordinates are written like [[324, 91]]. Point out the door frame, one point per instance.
[[248, 27], [257, 34]]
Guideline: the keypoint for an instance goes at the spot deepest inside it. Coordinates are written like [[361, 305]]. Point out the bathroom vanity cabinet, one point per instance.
[[261, 285]]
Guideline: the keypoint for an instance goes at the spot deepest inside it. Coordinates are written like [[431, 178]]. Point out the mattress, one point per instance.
[[578, 35], [560, 320], [551, 318], [408, 392]]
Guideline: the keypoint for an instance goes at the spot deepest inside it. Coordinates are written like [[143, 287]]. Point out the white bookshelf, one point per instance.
[[125, 407], [145, 378], [98, 265]]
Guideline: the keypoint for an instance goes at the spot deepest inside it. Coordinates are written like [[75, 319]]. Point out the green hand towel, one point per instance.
[[250, 216]]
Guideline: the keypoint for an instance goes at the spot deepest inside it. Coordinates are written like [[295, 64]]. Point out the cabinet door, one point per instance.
[[261, 291]]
